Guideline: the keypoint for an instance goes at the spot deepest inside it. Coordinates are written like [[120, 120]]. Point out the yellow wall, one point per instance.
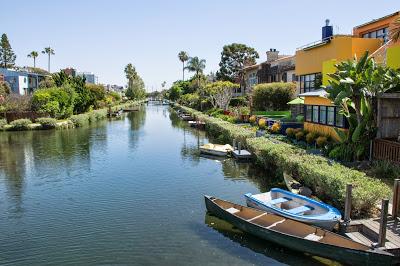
[[328, 67], [322, 129], [393, 57], [340, 48], [315, 100]]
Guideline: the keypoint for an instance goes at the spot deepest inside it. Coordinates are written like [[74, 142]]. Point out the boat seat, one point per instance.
[[278, 200], [301, 209]]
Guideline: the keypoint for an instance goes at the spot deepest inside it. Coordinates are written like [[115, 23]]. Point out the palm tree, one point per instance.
[[183, 57], [33, 55], [395, 30], [196, 65], [49, 51]]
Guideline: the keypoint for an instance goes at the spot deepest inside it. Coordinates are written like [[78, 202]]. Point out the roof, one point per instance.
[[251, 67], [375, 20], [315, 93]]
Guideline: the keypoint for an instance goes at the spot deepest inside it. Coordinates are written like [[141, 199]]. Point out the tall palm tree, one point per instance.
[[49, 51], [33, 55], [183, 57], [395, 30], [196, 65]]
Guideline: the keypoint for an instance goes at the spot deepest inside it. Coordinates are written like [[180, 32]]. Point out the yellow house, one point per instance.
[[315, 61]]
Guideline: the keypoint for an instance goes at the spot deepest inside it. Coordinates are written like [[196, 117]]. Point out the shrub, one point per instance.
[[262, 123], [385, 170], [299, 135], [290, 132], [311, 137], [58, 102], [275, 128], [3, 122], [20, 124], [17, 103], [327, 179], [191, 99], [47, 123], [273, 96], [342, 152], [232, 119], [321, 141], [300, 118], [244, 110], [252, 119], [296, 130], [238, 101], [79, 120]]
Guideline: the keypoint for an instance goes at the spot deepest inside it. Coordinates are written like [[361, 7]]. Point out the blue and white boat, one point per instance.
[[295, 207]]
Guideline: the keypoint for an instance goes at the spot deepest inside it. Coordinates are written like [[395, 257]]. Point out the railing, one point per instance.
[[386, 150]]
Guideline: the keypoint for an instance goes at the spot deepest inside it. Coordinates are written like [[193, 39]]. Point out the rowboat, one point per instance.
[[292, 184], [216, 149], [296, 207], [295, 235]]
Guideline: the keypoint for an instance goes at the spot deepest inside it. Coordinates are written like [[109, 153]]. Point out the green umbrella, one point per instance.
[[298, 100]]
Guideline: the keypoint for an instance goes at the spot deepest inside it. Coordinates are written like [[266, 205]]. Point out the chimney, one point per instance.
[[272, 55], [327, 31]]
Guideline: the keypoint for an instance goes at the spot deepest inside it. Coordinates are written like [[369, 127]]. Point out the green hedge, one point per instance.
[[47, 123], [20, 124], [328, 179], [273, 96]]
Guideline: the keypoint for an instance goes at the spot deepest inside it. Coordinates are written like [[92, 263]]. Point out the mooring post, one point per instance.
[[239, 146], [395, 204], [347, 206], [383, 223], [234, 144]]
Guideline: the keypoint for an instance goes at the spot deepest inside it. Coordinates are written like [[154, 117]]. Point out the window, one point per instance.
[[307, 82], [339, 118], [308, 113], [322, 114], [381, 34], [331, 116], [315, 114]]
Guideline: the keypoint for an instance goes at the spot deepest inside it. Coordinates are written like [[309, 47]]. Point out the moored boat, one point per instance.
[[292, 184], [296, 207], [216, 149], [295, 235]]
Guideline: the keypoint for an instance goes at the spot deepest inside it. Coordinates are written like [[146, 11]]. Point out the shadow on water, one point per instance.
[[258, 245]]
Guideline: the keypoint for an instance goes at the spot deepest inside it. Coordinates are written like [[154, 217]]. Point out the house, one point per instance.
[[277, 68], [89, 76], [313, 64], [22, 81], [70, 71]]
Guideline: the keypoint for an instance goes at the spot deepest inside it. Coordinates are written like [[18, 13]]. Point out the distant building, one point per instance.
[[22, 81], [70, 71], [114, 87], [89, 76]]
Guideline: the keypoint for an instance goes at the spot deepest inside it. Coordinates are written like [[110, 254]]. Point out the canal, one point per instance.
[[127, 191]]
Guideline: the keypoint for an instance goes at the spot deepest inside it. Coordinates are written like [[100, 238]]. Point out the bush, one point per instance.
[[275, 128], [385, 170], [238, 101], [342, 152], [20, 124], [311, 137], [191, 99], [232, 119], [328, 180], [273, 96], [79, 120], [299, 135], [3, 122], [262, 123], [321, 141], [252, 119], [47, 123], [300, 118], [58, 102], [290, 132], [17, 103], [244, 110]]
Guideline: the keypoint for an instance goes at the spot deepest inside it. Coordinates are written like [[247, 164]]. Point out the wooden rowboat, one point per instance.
[[296, 207], [292, 184], [296, 235], [216, 149]]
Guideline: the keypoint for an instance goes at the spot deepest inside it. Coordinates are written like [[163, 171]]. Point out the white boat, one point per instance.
[[216, 149], [296, 207]]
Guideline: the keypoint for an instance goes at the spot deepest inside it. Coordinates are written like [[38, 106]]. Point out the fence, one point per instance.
[[386, 150], [11, 116]]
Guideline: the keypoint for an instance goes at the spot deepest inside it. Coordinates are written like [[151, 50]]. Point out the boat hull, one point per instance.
[[213, 152], [349, 256]]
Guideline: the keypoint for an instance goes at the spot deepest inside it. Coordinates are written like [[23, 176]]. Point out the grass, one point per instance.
[[274, 114]]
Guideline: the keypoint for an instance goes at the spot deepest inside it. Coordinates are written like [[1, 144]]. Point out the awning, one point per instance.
[[298, 100]]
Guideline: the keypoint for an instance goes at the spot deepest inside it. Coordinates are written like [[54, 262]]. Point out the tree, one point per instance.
[[135, 83], [49, 51], [355, 87], [183, 57], [196, 65], [220, 93], [7, 56], [233, 58], [395, 30], [5, 88], [33, 55]]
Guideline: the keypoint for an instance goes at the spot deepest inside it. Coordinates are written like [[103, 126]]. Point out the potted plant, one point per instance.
[[244, 113]]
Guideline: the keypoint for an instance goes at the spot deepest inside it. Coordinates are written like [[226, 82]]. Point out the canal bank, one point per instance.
[[327, 179], [127, 191]]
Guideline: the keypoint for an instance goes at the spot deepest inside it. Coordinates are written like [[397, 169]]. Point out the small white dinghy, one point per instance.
[[216, 149], [296, 207]]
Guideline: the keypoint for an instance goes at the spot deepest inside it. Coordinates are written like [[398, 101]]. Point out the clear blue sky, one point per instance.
[[103, 36]]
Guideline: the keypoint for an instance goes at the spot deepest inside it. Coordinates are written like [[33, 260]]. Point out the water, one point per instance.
[[127, 191]]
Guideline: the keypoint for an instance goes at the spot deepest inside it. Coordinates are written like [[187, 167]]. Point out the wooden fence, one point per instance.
[[386, 150]]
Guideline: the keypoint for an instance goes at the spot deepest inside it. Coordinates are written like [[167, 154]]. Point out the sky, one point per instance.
[[104, 36]]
